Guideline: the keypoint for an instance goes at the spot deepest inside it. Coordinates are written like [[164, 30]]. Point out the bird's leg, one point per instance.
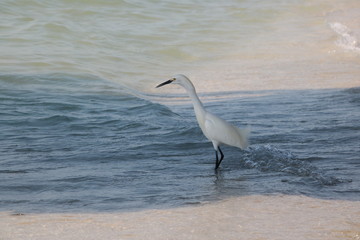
[[222, 155], [218, 162]]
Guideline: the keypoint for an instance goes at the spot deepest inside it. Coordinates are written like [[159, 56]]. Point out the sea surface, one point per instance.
[[83, 128]]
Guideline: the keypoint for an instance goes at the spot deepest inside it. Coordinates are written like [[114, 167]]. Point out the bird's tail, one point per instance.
[[244, 137]]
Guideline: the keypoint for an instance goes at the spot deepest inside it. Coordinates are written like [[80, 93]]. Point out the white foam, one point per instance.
[[347, 38]]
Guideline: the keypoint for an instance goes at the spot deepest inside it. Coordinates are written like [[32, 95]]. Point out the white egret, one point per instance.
[[217, 130]]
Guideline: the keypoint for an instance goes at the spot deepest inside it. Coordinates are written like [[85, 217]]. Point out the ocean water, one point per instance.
[[83, 129]]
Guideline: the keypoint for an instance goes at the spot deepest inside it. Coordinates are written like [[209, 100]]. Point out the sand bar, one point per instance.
[[250, 217]]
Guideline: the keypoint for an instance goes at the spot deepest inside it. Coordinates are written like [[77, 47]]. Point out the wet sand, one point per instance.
[[250, 217]]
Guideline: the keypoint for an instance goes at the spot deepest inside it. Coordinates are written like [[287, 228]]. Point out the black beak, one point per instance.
[[164, 83]]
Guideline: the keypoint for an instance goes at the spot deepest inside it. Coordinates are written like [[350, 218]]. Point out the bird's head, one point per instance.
[[179, 79]]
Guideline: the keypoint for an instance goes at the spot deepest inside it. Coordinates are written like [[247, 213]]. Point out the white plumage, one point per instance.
[[217, 130]]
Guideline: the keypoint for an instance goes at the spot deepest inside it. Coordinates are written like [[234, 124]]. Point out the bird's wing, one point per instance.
[[223, 132]]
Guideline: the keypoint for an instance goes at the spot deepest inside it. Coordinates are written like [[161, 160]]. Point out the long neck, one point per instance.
[[198, 106]]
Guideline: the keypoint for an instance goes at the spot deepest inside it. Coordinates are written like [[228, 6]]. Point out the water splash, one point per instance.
[[268, 158]]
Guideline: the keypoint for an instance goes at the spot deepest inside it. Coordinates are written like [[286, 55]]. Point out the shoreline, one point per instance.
[[247, 217]]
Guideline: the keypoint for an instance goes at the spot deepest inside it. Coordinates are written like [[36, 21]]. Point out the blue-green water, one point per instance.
[[77, 149], [82, 127]]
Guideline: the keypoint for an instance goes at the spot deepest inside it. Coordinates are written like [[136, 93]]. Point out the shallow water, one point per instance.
[[78, 149], [262, 45], [82, 127]]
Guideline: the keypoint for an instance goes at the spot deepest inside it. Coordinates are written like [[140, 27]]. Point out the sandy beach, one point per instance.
[[250, 217]]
